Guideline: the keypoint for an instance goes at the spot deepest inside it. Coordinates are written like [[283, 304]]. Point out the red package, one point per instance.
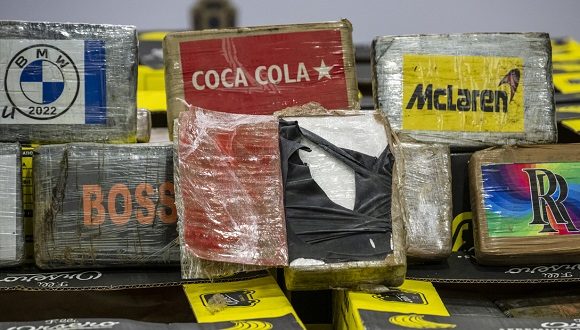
[[230, 191]]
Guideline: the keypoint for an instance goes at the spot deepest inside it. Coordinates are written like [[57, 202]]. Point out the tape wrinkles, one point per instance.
[[57, 197]]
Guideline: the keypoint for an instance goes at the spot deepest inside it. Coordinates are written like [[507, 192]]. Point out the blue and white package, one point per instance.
[[62, 82]]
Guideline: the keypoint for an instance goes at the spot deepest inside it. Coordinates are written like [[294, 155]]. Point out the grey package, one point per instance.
[[100, 205], [65, 82], [11, 222], [533, 49]]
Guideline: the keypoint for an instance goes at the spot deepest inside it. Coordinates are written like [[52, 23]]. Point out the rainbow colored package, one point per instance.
[[526, 204]]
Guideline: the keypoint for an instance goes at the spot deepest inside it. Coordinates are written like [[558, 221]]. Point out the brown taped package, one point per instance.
[[526, 204], [260, 70]]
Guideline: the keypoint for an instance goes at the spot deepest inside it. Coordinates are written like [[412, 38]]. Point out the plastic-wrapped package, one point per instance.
[[99, 205], [554, 305], [229, 193], [526, 204], [338, 202], [65, 82], [259, 70], [426, 191], [468, 90], [143, 125], [11, 223]]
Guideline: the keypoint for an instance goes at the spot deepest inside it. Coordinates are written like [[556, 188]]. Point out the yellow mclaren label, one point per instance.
[[463, 93]]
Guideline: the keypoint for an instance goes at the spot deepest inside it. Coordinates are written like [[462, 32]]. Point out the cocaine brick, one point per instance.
[[11, 222], [340, 230], [526, 204], [259, 70], [426, 189], [229, 192], [67, 82], [99, 205], [143, 125], [467, 90]]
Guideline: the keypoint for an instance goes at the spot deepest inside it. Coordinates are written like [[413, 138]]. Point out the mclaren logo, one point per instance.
[[451, 98], [414, 321], [512, 79], [42, 82]]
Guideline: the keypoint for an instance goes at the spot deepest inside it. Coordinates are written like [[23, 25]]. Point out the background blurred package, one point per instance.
[[11, 222], [259, 70], [526, 204], [67, 82], [143, 125], [99, 205], [337, 173], [426, 189], [468, 90], [229, 193]]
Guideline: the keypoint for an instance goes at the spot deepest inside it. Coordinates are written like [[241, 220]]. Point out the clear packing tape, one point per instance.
[[466, 90], [262, 69], [99, 205], [11, 222], [526, 204], [229, 193], [425, 183], [66, 82]]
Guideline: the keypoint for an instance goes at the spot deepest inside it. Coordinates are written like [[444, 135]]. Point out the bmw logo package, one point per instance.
[[260, 70], [63, 82], [466, 90], [104, 205], [11, 222], [526, 204]]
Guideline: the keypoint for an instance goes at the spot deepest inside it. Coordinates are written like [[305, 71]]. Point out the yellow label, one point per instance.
[[567, 83], [461, 223], [257, 298], [463, 93], [27, 198], [417, 297], [413, 297]]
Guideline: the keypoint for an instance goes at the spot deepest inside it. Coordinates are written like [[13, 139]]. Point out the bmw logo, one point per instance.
[[42, 82]]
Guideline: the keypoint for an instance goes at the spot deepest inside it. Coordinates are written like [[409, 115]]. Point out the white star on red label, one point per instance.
[[324, 70]]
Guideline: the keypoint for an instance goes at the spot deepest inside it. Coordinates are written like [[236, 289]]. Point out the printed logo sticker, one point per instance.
[[265, 73], [404, 296], [532, 199], [463, 93], [243, 298], [42, 72], [53, 82]]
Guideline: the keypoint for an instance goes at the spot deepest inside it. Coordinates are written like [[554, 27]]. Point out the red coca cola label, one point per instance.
[[265, 73]]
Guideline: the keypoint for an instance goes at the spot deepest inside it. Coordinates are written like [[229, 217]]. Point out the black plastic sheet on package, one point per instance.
[[100, 205], [343, 213], [322, 230]]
